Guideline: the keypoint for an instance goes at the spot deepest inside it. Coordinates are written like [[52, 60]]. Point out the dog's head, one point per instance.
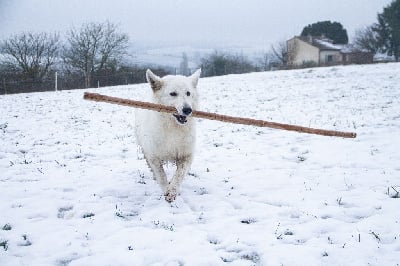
[[177, 91]]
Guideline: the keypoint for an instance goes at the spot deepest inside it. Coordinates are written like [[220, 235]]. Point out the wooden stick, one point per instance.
[[213, 116]]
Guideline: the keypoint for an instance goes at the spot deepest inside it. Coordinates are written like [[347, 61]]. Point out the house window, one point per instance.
[[329, 58]]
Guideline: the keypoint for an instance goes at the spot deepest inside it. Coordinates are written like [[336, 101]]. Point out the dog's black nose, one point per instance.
[[187, 110]]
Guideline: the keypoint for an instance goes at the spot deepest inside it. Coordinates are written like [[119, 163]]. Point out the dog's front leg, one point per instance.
[[158, 173], [182, 167]]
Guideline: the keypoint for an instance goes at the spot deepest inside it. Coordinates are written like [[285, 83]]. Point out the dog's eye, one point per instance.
[[174, 94], [188, 93]]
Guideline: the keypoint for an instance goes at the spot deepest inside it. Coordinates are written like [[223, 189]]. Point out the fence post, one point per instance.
[[98, 84], [56, 82]]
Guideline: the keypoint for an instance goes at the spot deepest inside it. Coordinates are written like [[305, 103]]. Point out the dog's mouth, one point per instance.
[[181, 119]]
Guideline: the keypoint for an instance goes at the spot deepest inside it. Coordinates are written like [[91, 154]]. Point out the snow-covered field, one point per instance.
[[75, 189]]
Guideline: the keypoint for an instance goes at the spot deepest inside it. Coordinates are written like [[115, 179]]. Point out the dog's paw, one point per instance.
[[170, 195]]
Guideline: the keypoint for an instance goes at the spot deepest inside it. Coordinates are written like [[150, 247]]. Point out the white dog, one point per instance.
[[169, 137]]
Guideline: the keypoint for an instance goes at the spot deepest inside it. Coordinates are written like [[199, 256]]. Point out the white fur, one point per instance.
[[161, 136]]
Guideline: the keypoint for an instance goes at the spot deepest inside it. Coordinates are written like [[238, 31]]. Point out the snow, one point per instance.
[[75, 189]]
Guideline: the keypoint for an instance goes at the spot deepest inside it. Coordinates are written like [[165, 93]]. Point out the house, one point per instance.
[[322, 51]]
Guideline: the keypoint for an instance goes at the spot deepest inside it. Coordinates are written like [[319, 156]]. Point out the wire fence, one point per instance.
[[70, 81]]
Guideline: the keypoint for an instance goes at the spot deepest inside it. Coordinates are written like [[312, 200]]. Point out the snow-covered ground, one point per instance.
[[75, 189]]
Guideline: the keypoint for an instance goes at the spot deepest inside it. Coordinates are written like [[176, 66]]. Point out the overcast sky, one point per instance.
[[190, 22]]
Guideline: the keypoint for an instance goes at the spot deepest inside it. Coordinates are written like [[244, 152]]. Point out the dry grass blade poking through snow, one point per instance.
[[213, 116]]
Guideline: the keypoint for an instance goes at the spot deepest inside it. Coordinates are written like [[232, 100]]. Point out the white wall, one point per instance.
[[300, 52]]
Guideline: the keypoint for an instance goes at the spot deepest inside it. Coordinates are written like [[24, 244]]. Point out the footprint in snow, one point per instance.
[[65, 212]]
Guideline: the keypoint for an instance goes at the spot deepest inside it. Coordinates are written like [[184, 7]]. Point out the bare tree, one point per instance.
[[280, 52], [264, 61], [184, 65], [94, 48], [33, 54], [217, 64], [366, 39]]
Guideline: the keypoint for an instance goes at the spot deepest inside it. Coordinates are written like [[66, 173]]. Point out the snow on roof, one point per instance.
[[383, 57], [321, 43], [326, 44]]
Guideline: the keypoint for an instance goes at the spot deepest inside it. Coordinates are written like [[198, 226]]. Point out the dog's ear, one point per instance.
[[154, 80], [195, 77]]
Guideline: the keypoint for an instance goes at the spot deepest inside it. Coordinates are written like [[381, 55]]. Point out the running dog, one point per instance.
[[169, 138]]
